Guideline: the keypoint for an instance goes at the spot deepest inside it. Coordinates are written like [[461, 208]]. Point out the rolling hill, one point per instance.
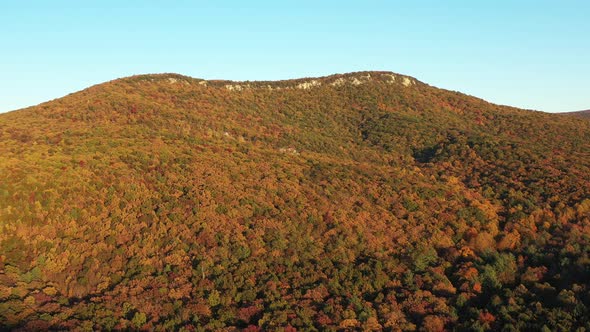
[[362, 201]]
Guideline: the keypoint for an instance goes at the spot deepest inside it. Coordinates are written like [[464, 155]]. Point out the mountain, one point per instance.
[[362, 201], [581, 114]]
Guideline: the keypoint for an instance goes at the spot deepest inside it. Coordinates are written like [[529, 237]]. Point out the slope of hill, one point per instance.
[[358, 201], [581, 114]]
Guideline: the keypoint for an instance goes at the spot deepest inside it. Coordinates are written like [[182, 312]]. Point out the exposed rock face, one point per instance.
[[353, 79], [308, 85], [235, 87], [406, 81], [338, 82]]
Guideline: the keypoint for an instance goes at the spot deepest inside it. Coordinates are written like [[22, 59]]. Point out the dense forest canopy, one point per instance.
[[364, 201]]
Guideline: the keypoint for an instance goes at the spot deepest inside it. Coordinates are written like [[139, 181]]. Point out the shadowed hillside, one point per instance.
[[359, 201]]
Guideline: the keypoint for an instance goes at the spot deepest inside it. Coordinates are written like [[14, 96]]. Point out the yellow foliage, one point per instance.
[[372, 324], [51, 291], [5, 291], [483, 241], [30, 301], [349, 323]]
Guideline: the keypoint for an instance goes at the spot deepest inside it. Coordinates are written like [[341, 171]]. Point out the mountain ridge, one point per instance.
[[334, 80], [360, 76]]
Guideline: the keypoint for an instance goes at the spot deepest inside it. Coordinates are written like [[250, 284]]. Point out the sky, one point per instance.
[[531, 54]]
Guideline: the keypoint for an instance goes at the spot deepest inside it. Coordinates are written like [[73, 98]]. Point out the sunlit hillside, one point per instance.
[[363, 201]]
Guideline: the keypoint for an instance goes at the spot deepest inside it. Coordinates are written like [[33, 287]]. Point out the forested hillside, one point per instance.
[[365, 201]]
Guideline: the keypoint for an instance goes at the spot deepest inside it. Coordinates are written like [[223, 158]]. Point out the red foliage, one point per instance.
[[486, 317]]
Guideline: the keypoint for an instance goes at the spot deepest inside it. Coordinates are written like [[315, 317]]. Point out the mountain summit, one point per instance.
[[366, 200]]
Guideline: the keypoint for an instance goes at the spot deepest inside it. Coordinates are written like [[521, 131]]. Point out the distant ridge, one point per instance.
[[580, 114]]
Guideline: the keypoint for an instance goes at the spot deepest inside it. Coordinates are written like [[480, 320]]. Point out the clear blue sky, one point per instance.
[[528, 53]]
